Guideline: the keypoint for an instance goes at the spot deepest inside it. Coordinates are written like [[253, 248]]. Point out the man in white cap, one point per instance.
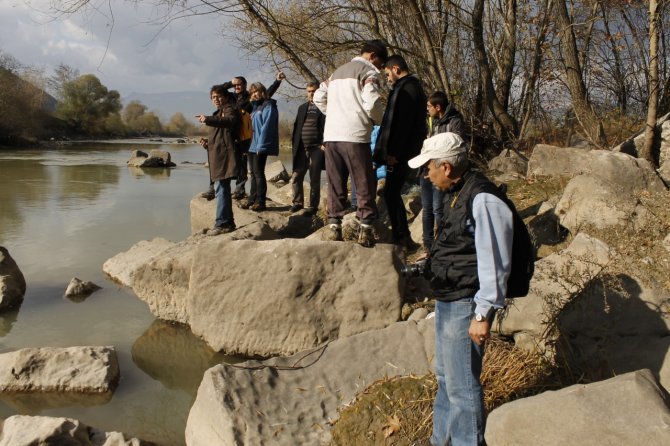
[[470, 262]]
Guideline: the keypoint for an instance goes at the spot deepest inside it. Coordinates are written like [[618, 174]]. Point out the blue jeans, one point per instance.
[[433, 212], [458, 412], [224, 204]]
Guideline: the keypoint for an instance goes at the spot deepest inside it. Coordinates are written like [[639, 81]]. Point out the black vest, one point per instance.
[[453, 257]]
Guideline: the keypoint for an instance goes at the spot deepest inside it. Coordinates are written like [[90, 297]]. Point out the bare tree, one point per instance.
[[647, 151]]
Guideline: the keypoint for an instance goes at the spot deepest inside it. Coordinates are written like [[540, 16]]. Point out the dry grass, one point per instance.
[[399, 411]]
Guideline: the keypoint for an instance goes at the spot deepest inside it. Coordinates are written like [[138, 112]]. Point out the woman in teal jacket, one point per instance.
[[264, 143]]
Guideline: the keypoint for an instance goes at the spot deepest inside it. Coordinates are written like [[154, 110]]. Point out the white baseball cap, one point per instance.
[[440, 146]]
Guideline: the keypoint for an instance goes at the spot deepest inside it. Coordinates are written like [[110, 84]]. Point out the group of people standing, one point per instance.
[[230, 149], [467, 225]]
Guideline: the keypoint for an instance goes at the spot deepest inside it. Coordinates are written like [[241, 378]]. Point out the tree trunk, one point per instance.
[[505, 123], [581, 104], [647, 151]]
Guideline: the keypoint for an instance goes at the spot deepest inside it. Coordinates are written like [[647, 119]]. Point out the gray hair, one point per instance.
[[459, 162]]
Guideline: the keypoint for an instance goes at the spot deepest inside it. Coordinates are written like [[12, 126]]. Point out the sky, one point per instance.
[[128, 54]]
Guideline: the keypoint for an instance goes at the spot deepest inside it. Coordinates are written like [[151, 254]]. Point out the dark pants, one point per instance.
[[353, 158], [259, 186], [307, 160], [241, 149], [224, 204], [433, 210], [395, 178]]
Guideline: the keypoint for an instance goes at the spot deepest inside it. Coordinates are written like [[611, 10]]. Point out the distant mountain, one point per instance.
[[189, 103]]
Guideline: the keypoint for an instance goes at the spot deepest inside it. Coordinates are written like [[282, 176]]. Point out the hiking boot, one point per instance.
[[245, 204], [333, 233], [366, 236], [209, 194], [239, 195], [258, 207], [221, 230], [296, 207]]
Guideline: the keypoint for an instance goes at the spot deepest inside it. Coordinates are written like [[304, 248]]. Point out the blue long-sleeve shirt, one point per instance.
[[493, 233]]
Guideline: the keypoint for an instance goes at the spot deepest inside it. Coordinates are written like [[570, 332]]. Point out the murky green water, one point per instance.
[[63, 212]]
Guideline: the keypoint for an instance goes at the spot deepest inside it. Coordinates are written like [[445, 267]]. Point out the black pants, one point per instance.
[[307, 160], [241, 149], [259, 186], [395, 178]]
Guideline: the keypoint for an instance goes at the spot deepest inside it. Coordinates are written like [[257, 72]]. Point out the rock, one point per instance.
[[289, 401], [628, 409], [122, 266], [664, 172], [666, 242], [54, 369], [12, 282], [77, 287], [629, 173], [315, 291], [276, 171], [510, 162], [40, 430], [634, 145], [155, 158], [592, 201], [277, 218], [418, 314], [284, 195], [307, 292]]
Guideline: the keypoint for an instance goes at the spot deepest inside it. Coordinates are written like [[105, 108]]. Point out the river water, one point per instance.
[[63, 212]]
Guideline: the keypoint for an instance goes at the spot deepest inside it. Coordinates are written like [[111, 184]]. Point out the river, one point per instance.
[[63, 212]]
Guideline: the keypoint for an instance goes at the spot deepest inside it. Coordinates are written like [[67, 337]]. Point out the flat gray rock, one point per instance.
[[293, 400], [59, 369]]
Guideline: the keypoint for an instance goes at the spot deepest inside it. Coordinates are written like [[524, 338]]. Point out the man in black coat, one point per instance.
[[308, 152], [401, 136]]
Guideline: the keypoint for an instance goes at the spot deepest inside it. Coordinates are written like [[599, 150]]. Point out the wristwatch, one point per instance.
[[483, 317]]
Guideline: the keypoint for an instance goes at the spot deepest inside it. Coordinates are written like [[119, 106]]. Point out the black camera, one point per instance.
[[418, 269]]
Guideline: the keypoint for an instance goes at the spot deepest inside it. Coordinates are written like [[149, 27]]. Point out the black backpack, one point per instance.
[[523, 251]]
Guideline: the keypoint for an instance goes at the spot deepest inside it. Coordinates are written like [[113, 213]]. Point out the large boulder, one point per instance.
[[276, 172], [59, 369], [630, 173], [628, 409], [12, 283], [279, 297], [277, 217], [40, 430], [510, 162], [272, 297], [634, 145], [293, 400], [590, 201]]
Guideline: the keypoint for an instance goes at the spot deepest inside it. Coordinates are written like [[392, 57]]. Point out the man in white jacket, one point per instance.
[[351, 101]]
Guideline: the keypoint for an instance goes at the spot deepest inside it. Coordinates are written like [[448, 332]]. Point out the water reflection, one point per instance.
[[84, 181], [155, 173], [7, 320], [35, 403], [20, 181], [173, 355]]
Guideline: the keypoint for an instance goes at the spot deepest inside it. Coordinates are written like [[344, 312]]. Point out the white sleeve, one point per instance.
[[372, 100], [321, 97]]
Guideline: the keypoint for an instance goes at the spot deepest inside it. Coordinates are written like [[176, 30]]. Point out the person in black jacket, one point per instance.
[[308, 152], [401, 135]]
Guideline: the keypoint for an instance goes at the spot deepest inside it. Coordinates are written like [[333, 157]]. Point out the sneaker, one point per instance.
[[221, 230], [333, 233], [296, 207], [366, 236], [258, 207], [209, 194], [245, 204], [239, 195]]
